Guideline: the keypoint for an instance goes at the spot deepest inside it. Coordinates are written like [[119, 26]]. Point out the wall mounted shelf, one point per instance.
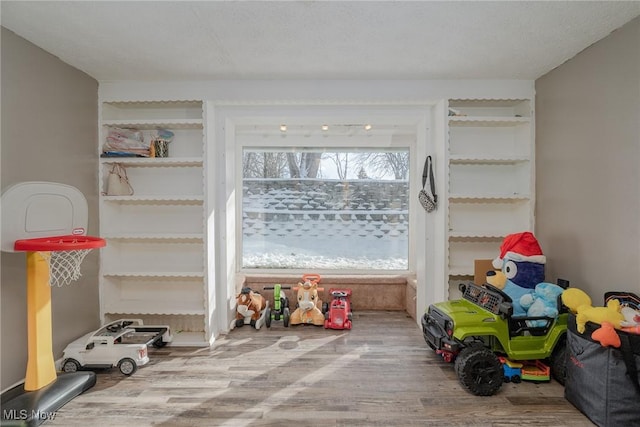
[[153, 266], [490, 152]]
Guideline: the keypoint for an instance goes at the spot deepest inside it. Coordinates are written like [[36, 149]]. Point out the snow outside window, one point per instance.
[[312, 208]]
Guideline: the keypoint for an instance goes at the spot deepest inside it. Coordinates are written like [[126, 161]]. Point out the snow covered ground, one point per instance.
[[330, 253], [325, 224]]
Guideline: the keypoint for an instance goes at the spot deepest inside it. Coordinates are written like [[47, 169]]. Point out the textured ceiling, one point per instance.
[[182, 40]]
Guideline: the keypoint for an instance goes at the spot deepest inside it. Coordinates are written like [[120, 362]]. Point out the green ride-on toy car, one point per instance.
[[280, 308], [476, 330]]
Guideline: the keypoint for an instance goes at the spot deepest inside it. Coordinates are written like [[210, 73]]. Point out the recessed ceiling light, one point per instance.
[[283, 128], [325, 127], [367, 127]]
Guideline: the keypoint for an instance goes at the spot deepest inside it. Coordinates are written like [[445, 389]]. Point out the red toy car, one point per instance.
[[339, 316]]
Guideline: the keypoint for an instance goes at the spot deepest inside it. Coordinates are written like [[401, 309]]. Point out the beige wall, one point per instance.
[[49, 133], [587, 166]]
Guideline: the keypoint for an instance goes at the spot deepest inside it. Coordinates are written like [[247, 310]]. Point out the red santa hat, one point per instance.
[[520, 247]]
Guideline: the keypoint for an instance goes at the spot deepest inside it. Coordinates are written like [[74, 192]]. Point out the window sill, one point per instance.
[[369, 292]]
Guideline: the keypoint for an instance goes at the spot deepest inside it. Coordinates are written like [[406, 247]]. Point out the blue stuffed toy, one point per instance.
[[521, 265], [542, 302], [515, 292]]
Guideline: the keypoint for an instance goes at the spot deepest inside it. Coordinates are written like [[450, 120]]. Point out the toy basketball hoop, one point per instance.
[[48, 221], [63, 253]]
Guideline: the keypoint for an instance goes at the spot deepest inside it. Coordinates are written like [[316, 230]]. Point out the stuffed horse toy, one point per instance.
[[250, 309], [308, 311]]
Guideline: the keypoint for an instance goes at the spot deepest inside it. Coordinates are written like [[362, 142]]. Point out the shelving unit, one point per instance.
[[153, 266], [490, 191]]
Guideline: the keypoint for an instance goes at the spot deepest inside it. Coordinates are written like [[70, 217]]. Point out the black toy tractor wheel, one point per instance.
[[267, 317], [558, 361], [479, 370], [285, 317]]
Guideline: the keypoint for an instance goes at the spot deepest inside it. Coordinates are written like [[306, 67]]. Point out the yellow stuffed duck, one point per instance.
[[580, 304]]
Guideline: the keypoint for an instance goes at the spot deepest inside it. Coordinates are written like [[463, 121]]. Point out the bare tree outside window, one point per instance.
[[341, 163], [303, 165], [264, 165], [388, 163]]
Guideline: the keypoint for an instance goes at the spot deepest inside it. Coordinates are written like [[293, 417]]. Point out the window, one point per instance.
[[314, 207]]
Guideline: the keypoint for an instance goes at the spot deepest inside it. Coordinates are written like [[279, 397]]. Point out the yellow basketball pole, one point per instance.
[[41, 369]]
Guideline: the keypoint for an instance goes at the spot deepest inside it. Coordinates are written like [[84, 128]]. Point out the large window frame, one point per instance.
[[325, 220], [244, 139]]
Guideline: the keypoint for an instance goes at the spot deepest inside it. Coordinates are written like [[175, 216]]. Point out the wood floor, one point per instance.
[[380, 373]]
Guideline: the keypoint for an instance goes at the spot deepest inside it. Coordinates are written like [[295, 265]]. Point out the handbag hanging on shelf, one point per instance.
[[118, 182], [428, 201]]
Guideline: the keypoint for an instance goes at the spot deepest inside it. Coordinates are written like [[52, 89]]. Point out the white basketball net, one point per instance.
[[64, 266]]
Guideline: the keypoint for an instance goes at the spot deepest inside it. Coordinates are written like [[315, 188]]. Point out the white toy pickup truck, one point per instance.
[[122, 343]]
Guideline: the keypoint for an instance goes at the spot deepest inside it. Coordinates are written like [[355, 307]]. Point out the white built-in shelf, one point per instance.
[[151, 111], [159, 274], [153, 161], [466, 159], [164, 200], [471, 198], [518, 108], [471, 236], [463, 271], [157, 307], [146, 124], [187, 339], [490, 142], [153, 266], [462, 254], [156, 237], [490, 153], [490, 180], [487, 121]]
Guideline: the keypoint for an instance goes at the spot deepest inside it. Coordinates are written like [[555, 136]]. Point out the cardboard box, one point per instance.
[[480, 268]]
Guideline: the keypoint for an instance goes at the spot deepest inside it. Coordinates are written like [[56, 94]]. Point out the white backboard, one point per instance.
[[41, 209]]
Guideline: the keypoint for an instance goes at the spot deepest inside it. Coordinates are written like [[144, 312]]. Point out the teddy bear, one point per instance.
[[542, 302]]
